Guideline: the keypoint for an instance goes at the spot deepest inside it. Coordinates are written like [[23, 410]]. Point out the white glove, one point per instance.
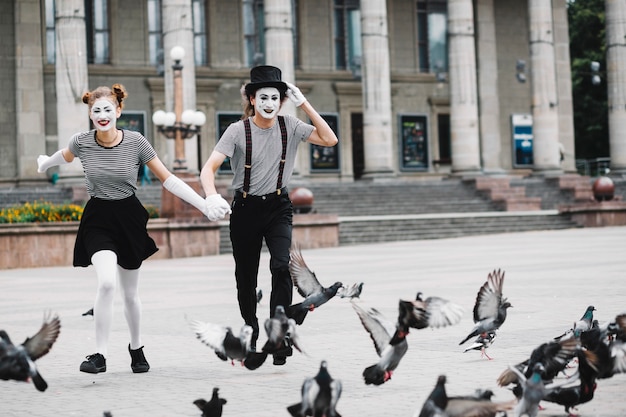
[[183, 191], [295, 95], [44, 161], [217, 207]]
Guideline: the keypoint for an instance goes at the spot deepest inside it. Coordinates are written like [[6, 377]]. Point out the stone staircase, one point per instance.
[[389, 210]]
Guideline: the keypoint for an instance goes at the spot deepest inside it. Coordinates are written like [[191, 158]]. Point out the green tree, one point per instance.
[[588, 44]]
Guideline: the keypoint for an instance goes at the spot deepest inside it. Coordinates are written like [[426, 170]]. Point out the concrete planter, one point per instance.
[[31, 245]]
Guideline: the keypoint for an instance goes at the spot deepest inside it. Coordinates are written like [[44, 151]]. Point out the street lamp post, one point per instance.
[[179, 125]]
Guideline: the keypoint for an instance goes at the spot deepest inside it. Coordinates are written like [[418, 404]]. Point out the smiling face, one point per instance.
[[267, 102], [104, 114]]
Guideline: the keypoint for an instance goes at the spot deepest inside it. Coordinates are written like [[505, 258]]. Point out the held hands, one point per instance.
[[216, 207], [295, 95]]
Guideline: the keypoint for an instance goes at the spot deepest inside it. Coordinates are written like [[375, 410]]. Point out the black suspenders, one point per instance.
[[248, 163]]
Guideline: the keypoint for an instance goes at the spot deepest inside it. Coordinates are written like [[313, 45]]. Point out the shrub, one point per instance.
[[48, 212]]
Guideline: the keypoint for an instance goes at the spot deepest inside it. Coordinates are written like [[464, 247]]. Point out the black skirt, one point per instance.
[[116, 225]]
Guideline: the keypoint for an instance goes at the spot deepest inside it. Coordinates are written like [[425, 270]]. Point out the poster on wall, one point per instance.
[[324, 158], [414, 142], [225, 119], [522, 131], [133, 120]]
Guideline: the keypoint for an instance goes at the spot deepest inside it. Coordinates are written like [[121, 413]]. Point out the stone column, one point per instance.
[[71, 78], [545, 102], [279, 53], [30, 108], [377, 129], [564, 84], [178, 31], [490, 136], [615, 12], [464, 128], [279, 43]]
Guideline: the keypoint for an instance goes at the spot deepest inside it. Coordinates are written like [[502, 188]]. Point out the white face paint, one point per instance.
[[267, 102], [103, 115]]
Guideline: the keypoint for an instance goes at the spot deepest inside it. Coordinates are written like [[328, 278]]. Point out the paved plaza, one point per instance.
[[551, 277]]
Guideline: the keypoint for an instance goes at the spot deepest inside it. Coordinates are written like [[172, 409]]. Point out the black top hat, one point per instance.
[[265, 76]]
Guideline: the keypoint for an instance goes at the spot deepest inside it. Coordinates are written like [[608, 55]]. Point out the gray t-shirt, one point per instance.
[[266, 152], [111, 173]]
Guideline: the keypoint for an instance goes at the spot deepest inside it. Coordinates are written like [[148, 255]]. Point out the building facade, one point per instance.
[[413, 88]]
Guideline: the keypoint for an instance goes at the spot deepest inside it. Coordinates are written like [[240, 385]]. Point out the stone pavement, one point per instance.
[[551, 277]]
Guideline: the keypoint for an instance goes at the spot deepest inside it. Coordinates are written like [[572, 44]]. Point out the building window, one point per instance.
[[50, 18], [432, 41], [347, 35], [198, 8], [155, 34], [253, 32], [97, 25]]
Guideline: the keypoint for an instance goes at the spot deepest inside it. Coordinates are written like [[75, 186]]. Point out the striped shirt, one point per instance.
[[111, 173]]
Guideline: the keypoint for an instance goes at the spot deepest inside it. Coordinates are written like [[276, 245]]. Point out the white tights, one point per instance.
[[107, 271]]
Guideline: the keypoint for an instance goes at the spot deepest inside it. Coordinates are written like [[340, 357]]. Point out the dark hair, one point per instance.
[[248, 92], [117, 94]]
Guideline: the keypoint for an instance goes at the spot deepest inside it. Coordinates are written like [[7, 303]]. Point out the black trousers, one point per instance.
[[253, 219]]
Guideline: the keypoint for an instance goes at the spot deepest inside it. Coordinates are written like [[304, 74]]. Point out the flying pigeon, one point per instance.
[[351, 292], [88, 312], [553, 357], [534, 390], [17, 362], [308, 287], [277, 329], [490, 307], [432, 312], [389, 341], [585, 323], [482, 342], [320, 395], [259, 295], [225, 344], [579, 390], [213, 407], [477, 405]]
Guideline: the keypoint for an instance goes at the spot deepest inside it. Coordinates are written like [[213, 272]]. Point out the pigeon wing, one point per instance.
[[310, 390], [335, 393], [210, 334], [42, 341], [379, 328], [303, 278], [434, 312], [489, 297]]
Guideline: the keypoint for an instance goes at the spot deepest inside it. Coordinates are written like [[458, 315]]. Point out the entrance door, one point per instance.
[[358, 156]]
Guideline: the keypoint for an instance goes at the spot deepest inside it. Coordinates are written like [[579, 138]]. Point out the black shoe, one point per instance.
[[94, 364], [280, 360], [138, 363]]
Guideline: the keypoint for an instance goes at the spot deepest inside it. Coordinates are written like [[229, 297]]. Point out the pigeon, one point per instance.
[[432, 312], [320, 395], [581, 389], [389, 341], [482, 342], [553, 356], [477, 405], [276, 328], [608, 344], [88, 312], [437, 401], [585, 323], [225, 344], [259, 295], [213, 407], [17, 362], [351, 292], [308, 287], [490, 307]]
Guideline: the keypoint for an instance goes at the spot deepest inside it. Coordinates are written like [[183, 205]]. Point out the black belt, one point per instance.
[[272, 195]]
